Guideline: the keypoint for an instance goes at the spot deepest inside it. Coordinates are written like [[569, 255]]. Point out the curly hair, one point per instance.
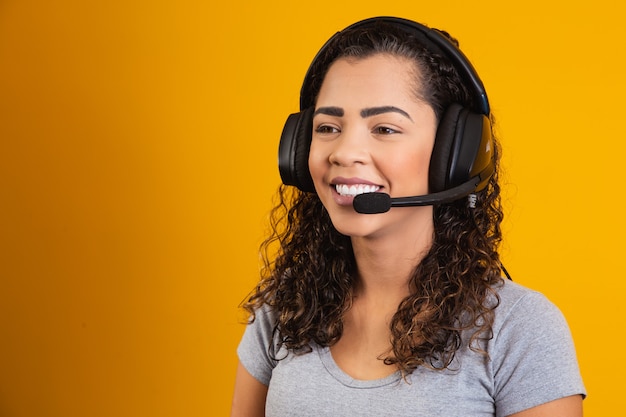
[[309, 267]]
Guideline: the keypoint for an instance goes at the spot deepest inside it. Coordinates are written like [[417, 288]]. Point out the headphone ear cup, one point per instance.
[[463, 149], [473, 155], [293, 150], [441, 158]]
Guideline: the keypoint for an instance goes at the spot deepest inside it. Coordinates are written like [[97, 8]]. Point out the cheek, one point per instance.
[[408, 174], [319, 151], [317, 162]]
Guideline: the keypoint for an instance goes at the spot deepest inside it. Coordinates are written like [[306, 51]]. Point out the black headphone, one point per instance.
[[463, 150]]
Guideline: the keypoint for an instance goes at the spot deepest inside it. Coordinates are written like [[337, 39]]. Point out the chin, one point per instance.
[[357, 225], [399, 221]]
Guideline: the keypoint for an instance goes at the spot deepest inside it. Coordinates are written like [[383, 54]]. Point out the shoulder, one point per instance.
[[256, 348], [264, 318], [525, 317], [532, 354], [518, 305]]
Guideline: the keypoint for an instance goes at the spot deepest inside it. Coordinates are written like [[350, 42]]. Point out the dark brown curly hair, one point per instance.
[[309, 267]]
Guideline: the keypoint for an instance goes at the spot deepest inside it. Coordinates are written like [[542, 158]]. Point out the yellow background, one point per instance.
[[138, 162]]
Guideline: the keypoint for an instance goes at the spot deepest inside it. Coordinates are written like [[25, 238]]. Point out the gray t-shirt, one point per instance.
[[531, 361]]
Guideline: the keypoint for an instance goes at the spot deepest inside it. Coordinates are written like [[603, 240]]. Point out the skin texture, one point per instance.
[[390, 147], [370, 128], [249, 396], [379, 134]]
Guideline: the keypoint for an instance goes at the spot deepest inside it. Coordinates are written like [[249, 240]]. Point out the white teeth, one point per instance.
[[356, 189]]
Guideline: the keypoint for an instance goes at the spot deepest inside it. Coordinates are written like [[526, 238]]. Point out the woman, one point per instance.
[[371, 310]]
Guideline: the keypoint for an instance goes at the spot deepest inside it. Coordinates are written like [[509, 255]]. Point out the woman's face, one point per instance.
[[371, 133]]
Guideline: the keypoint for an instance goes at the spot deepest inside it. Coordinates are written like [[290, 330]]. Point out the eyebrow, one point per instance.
[[330, 111], [373, 111], [368, 112]]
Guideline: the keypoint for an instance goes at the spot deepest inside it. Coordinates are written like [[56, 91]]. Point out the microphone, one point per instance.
[[375, 203]]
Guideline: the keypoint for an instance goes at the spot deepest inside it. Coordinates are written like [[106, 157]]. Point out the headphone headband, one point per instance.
[[431, 38], [463, 149]]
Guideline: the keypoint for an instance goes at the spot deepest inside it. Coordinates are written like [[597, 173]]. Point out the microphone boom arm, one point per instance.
[[375, 203]]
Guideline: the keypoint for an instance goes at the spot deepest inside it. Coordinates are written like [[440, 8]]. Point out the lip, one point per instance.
[[346, 200], [352, 181]]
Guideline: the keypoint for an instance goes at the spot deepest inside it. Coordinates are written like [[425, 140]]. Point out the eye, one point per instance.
[[326, 130], [384, 130]]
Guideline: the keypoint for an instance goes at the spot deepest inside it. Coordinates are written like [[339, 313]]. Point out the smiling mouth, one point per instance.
[[355, 189]]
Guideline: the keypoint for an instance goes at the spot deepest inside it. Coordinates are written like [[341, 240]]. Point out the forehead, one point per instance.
[[376, 77]]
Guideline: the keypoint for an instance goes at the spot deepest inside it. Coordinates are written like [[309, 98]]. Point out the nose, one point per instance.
[[350, 147]]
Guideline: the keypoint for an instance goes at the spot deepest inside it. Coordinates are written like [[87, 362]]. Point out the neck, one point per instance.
[[385, 264]]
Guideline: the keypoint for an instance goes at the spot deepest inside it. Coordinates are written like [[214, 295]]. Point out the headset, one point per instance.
[[463, 157]]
